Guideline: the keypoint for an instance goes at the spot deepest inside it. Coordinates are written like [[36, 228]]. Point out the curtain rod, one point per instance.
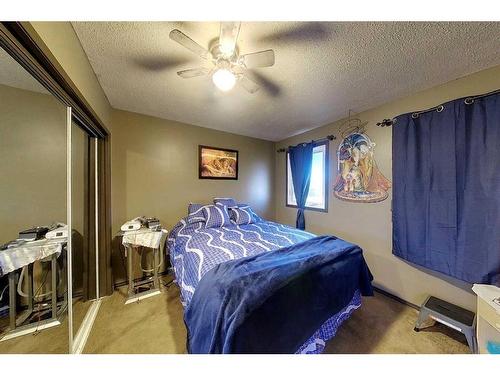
[[327, 138], [438, 108]]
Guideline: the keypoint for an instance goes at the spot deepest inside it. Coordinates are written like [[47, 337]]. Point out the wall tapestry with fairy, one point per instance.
[[358, 178]]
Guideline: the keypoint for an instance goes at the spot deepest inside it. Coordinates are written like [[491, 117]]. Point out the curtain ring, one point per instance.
[[440, 108], [414, 115], [469, 101]]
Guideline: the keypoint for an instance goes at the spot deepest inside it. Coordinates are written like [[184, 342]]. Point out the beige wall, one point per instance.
[[155, 171], [369, 224], [33, 155], [60, 42]]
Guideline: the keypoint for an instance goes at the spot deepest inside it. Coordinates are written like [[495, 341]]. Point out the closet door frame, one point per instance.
[[91, 234]]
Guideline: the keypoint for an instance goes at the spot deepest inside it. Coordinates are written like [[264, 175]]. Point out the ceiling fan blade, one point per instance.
[[248, 84], [301, 32], [228, 36], [160, 63], [258, 59], [190, 73], [267, 84], [181, 38]]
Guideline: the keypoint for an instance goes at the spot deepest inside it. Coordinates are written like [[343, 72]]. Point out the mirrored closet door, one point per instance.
[[33, 209], [48, 218]]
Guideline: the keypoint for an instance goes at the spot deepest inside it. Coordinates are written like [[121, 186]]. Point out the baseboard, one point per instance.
[[396, 298], [377, 289]]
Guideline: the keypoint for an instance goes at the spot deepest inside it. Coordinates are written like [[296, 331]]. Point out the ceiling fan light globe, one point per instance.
[[224, 79]]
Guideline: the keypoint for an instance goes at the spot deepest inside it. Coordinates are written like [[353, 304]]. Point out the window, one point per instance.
[[318, 188]]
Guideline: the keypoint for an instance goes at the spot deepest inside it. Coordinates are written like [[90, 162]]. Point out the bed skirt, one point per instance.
[[316, 344]]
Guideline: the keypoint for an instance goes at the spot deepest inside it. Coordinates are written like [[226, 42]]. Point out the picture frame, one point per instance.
[[215, 163]]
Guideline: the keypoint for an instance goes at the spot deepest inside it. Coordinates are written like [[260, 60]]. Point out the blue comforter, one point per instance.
[[232, 310], [195, 250]]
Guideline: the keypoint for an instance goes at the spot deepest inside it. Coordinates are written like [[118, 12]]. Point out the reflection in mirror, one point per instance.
[[33, 287]]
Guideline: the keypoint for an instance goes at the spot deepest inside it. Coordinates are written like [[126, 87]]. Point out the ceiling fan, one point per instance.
[[229, 67]]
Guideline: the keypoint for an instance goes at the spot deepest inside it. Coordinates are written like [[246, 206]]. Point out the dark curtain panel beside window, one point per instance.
[[446, 189], [301, 165]]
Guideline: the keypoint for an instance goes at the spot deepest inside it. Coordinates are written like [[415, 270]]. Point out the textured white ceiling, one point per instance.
[[14, 75], [322, 69]]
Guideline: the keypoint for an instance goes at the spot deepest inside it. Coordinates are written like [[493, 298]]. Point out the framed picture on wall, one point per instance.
[[217, 163]]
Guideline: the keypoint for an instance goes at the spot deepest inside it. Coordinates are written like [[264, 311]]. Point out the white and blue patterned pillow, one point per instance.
[[194, 208], [242, 215], [216, 215], [195, 213], [193, 219], [228, 202]]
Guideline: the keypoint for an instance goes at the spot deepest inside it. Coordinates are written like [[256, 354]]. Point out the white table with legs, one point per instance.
[[143, 237], [23, 257]]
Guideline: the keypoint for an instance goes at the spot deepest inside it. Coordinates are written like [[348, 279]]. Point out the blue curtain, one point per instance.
[[301, 165], [446, 189]]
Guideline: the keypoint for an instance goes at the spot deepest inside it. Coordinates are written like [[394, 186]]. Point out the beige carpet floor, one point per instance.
[[155, 325], [383, 325]]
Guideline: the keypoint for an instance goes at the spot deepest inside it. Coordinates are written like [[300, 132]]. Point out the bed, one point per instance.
[[254, 286]]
